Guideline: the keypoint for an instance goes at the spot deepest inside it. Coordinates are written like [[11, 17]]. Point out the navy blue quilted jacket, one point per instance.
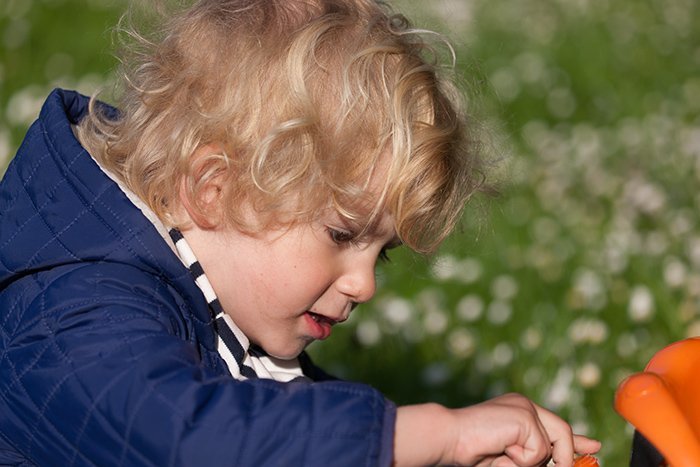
[[107, 351]]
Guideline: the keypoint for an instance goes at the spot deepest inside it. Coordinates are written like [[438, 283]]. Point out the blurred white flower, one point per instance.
[[502, 354], [681, 223], [531, 338], [499, 312], [541, 27], [588, 375], [622, 28], [641, 304], [4, 147], [504, 288], [368, 332], [457, 14], [587, 143], [23, 106], [545, 229], [691, 94], [590, 287], [461, 343], [469, 270], [677, 18], [91, 83], [448, 267], [561, 102], [531, 67], [505, 83], [559, 391], [693, 329], [693, 249], [588, 330], [444, 267], [470, 308], [397, 311], [616, 260], [435, 322], [693, 285], [580, 427], [644, 195], [630, 133], [430, 299], [627, 345], [675, 273], [656, 243], [435, 318], [690, 137], [534, 132]]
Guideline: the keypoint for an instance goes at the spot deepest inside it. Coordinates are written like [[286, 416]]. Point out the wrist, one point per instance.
[[424, 435]]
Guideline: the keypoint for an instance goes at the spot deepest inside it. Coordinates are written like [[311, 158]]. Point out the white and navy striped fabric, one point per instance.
[[244, 361]]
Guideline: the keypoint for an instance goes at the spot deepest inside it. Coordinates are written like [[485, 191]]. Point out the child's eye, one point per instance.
[[340, 236]]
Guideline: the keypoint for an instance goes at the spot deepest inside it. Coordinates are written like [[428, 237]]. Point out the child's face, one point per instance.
[[287, 288]]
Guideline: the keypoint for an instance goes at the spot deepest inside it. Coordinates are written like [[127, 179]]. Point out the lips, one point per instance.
[[319, 325]]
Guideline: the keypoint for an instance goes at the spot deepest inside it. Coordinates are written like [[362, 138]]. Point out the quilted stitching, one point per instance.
[[108, 354]]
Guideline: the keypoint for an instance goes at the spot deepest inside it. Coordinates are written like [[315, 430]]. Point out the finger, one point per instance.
[[563, 448], [534, 446], [585, 445], [561, 436]]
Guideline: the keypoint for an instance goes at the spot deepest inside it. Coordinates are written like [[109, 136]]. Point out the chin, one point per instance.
[[288, 353], [284, 356]]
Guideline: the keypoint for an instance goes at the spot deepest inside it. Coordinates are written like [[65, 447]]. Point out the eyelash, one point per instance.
[[340, 236], [343, 236], [384, 256]]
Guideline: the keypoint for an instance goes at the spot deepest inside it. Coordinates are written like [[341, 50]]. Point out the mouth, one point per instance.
[[320, 325]]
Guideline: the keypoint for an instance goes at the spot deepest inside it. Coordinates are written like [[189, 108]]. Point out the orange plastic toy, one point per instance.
[[586, 461], [663, 402]]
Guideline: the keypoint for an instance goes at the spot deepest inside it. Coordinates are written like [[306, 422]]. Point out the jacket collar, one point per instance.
[[58, 207]]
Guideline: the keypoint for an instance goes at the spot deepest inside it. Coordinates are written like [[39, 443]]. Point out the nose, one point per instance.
[[357, 280]]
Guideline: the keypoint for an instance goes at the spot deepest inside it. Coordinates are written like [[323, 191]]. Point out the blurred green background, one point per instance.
[[584, 265]]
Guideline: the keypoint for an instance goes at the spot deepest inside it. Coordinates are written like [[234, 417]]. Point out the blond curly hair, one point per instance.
[[305, 98]]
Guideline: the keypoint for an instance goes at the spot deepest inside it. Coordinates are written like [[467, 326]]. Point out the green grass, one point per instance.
[[585, 264]]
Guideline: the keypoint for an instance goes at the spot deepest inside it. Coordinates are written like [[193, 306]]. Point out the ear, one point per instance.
[[201, 190]]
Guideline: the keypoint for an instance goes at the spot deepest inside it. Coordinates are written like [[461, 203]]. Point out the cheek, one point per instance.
[[277, 277], [301, 279]]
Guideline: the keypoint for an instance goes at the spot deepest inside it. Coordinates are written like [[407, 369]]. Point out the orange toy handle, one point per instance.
[[645, 401], [586, 461]]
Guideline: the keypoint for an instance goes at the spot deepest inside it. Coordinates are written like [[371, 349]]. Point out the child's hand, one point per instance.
[[505, 431]]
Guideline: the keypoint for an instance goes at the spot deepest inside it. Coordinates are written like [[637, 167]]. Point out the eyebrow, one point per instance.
[[373, 231]]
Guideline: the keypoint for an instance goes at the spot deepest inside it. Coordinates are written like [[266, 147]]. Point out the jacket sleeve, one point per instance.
[[96, 371]]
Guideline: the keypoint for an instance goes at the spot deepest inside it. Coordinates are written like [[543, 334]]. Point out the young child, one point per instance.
[[164, 264]]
